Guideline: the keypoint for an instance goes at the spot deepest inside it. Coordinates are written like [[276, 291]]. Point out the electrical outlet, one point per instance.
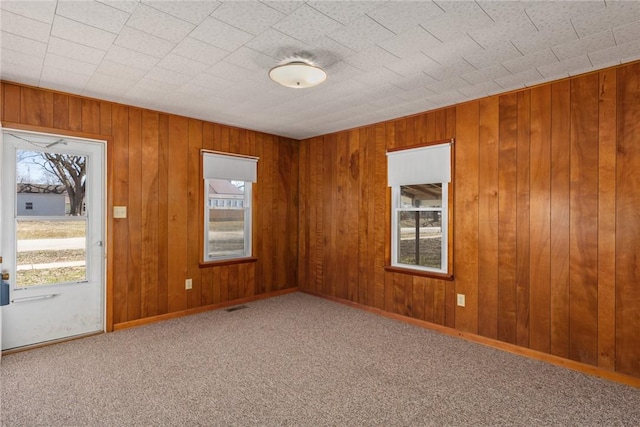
[[119, 211], [461, 300], [188, 284]]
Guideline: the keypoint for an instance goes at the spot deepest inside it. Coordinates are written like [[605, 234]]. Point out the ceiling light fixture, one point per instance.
[[298, 74]]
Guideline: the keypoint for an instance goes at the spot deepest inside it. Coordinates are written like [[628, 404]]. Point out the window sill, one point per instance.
[[413, 272], [209, 264]]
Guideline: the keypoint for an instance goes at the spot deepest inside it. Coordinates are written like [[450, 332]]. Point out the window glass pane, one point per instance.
[[50, 252], [226, 232], [420, 238], [226, 226], [421, 196]]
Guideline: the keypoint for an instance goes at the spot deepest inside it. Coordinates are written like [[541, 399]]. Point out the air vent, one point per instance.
[[236, 308]]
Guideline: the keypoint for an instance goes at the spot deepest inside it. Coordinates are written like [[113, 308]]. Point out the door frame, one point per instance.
[[108, 203]]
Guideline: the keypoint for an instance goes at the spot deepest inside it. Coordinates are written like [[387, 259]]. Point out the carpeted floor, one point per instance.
[[297, 360]]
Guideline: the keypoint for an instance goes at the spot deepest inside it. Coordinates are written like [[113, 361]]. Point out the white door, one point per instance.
[[52, 215]]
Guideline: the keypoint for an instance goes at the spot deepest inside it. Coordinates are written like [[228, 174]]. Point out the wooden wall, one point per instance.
[[546, 218], [154, 170]]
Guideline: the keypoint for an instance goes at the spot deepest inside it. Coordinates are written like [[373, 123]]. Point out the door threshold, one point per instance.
[[48, 343]]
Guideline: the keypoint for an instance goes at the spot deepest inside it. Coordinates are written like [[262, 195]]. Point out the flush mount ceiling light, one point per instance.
[[298, 74]]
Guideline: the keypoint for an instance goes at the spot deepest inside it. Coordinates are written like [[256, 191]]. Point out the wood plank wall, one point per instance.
[[546, 218], [155, 172]]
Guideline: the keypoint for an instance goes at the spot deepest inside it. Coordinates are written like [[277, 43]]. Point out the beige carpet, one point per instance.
[[297, 360]]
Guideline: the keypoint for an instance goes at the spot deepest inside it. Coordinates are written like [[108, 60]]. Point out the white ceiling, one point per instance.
[[210, 59]]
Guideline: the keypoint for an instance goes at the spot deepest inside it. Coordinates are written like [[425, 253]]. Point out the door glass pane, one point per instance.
[[50, 184], [51, 226], [51, 252]]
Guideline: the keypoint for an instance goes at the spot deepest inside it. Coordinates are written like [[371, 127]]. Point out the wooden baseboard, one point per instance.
[[511, 348], [196, 310]]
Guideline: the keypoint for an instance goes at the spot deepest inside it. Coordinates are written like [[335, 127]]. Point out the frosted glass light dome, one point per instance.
[[298, 75]]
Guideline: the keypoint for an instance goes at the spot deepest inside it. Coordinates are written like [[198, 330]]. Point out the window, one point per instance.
[[419, 179], [228, 181]]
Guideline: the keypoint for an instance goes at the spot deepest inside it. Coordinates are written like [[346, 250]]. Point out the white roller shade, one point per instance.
[[422, 165], [234, 168]]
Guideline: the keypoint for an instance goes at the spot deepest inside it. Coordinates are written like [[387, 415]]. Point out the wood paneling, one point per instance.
[[150, 230], [546, 224], [90, 116], [583, 217], [559, 271], [195, 188], [288, 160], [134, 215], [380, 203], [465, 225], [328, 210], [61, 111], [353, 217], [155, 172], [36, 107], [75, 113], [488, 218], [178, 168], [628, 221], [418, 297], [344, 225], [540, 221], [507, 218], [265, 199], [607, 221], [316, 220], [120, 192], [11, 101], [105, 118], [163, 214], [522, 219], [342, 230], [366, 228]]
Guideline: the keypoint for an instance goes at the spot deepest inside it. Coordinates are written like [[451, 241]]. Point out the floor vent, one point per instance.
[[236, 308]]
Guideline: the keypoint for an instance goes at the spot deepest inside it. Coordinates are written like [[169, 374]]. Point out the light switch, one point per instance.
[[119, 211]]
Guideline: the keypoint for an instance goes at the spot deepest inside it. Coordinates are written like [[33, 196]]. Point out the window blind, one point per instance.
[[422, 165], [233, 168]]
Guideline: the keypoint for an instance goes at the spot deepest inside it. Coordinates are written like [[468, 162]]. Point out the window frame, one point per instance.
[[394, 198], [206, 259], [396, 208], [247, 219]]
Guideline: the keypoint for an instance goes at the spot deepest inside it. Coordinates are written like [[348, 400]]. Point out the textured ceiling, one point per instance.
[[210, 59]]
